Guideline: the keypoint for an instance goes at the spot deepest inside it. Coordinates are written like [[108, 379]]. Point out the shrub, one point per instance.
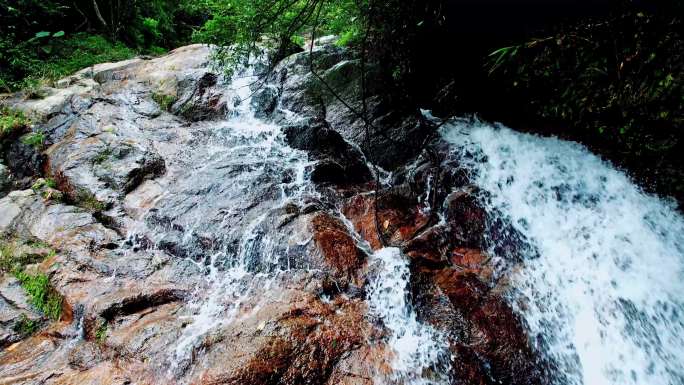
[[101, 333], [12, 120], [165, 101], [88, 201]]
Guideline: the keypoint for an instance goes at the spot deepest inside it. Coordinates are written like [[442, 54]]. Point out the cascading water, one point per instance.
[[601, 282], [420, 355], [221, 202], [220, 210]]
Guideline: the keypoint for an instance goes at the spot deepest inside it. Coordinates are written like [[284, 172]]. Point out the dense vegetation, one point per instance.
[[606, 73]]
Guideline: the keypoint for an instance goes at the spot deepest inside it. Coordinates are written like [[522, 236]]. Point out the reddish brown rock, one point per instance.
[[360, 210], [487, 337], [336, 245], [400, 217], [431, 246], [466, 219], [304, 345]]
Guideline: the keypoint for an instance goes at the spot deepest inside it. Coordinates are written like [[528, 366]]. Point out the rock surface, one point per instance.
[[206, 236]]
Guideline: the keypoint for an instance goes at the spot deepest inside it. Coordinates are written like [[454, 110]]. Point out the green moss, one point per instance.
[[101, 333], [88, 201], [26, 326], [34, 139], [165, 101], [103, 156], [12, 120], [42, 295], [13, 256]]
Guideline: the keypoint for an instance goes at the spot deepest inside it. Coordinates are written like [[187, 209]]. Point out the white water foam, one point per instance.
[[257, 150], [418, 350], [602, 283]]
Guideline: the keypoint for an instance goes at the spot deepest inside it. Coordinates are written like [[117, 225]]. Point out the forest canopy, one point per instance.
[[606, 73]]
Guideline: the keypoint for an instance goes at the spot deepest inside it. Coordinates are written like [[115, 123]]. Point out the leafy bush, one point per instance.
[[165, 101], [88, 201], [101, 333], [12, 120], [67, 56]]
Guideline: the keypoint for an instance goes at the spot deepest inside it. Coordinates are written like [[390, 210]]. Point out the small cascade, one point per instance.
[[601, 282], [222, 203], [419, 354]]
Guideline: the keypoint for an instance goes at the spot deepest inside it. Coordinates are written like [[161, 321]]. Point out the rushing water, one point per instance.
[[419, 352], [601, 287]]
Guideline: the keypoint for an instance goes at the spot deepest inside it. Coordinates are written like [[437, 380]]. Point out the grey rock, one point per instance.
[[5, 180]]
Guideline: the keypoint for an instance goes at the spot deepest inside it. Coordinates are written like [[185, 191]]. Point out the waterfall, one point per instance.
[[601, 283]]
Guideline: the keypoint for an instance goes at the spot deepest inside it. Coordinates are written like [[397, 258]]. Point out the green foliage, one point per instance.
[[12, 120], [26, 326], [42, 295], [43, 182], [101, 333], [349, 37], [243, 29], [28, 69], [103, 156], [45, 40], [165, 101], [34, 139]]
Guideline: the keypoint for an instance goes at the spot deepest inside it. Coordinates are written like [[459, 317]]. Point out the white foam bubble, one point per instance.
[[418, 349]]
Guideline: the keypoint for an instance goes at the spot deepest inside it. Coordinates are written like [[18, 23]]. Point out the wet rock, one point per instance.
[[5, 180], [486, 336], [298, 344], [431, 246], [466, 218], [336, 245], [394, 137], [103, 158], [18, 318], [24, 160], [400, 216], [341, 163], [360, 210], [200, 99], [28, 216], [231, 271], [265, 100]]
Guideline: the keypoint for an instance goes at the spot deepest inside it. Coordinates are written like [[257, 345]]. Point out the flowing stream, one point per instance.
[[602, 279], [243, 169], [599, 287]]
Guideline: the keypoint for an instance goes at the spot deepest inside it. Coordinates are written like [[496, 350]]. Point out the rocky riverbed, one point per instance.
[[212, 231], [196, 229]]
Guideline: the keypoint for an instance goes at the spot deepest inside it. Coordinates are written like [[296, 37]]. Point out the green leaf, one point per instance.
[[58, 34], [42, 34]]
